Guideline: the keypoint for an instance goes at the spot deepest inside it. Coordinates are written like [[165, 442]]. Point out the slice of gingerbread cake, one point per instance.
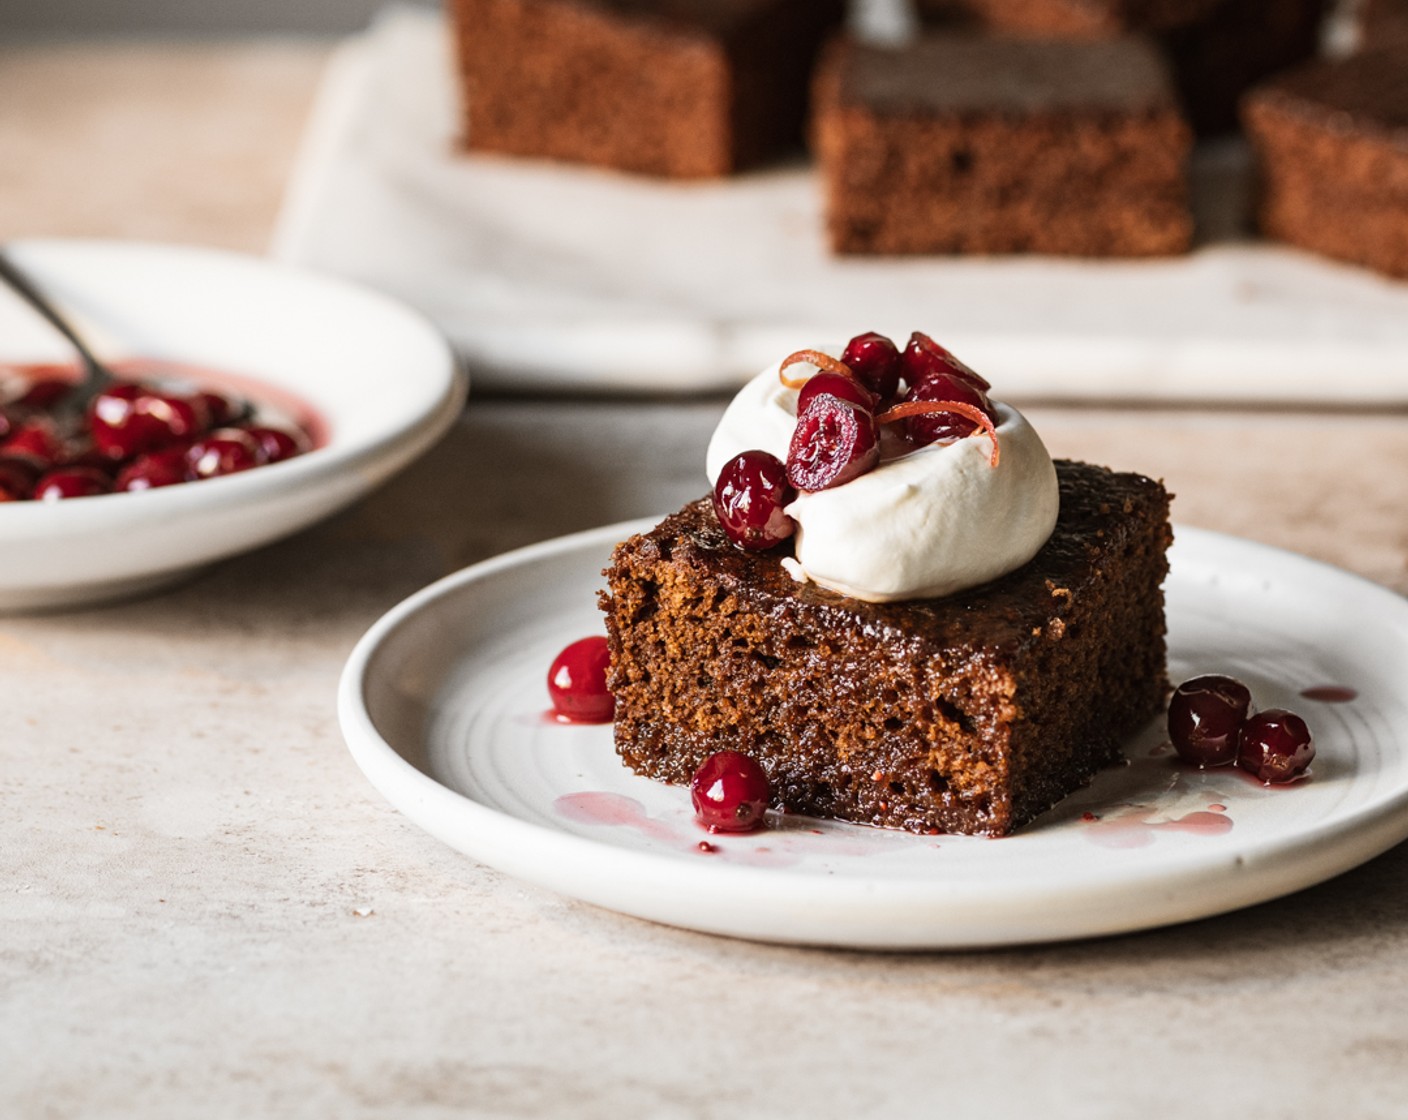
[[970, 711]]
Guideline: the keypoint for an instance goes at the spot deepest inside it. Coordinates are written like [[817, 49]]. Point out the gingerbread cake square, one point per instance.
[[974, 144], [1331, 142], [972, 713], [679, 88]]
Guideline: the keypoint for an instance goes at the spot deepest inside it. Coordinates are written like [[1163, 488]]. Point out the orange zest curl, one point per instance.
[[967, 411], [813, 357]]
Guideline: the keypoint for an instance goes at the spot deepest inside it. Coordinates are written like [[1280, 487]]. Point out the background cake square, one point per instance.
[[681, 88], [972, 144]]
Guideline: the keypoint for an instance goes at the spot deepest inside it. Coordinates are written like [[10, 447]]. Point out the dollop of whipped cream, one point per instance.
[[927, 522]]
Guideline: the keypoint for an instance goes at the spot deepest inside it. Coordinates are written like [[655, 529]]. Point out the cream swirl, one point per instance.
[[926, 522]]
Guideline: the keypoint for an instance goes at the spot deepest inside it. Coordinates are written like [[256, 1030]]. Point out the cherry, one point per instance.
[[224, 451], [730, 792], [577, 682], [120, 423], [174, 417], [875, 361], [45, 391], [834, 442], [71, 482], [279, 443], [933, 427], [1276, 746], [838, 385], [924, 358], [749, 497], [219, 409], [35, 440], [155, 469], [1205, 717]]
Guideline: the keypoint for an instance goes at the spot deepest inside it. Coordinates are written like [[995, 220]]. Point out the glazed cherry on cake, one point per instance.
[[730, 792], [577, 682], [834, 442], [841, 407], [132, 436], [750, 496]]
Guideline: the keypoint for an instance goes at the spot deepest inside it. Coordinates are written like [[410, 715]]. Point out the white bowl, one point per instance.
[[382, 379]]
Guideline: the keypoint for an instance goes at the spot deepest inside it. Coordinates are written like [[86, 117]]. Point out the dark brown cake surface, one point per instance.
[[971, 713], [1331, 141], [1072, 18], [1217, 49], [966, 144], [979, 74], [681, 88]]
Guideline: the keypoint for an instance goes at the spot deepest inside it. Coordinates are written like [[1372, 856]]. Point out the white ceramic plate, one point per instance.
[[443, 705], [380, 377]]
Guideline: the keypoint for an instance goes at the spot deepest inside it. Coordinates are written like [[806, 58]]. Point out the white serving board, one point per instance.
[[549, 276]]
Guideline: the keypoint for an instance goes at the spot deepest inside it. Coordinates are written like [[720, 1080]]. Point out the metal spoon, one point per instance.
[[96, 376]]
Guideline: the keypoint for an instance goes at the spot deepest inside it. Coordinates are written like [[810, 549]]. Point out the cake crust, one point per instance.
[[972, 713]]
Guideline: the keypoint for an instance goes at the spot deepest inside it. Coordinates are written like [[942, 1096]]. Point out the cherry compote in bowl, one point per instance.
[[369, 383]]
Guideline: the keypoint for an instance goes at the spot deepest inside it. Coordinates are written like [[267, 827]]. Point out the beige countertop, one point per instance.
[[206, 910]]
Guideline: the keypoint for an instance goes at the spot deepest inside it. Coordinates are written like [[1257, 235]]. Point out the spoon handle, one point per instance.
[[10, 273]]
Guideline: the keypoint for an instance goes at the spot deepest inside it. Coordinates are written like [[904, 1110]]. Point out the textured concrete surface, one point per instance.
[[206, 911]]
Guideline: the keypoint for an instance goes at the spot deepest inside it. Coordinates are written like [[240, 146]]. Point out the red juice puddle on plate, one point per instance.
[[1135, 827], [1330, 693], [613, 809]]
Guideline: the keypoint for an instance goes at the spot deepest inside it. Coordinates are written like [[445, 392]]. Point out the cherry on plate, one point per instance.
[[730, 792], [71, 482], [120, 424], [1276, 746], [577, 682], [224, 451], [1205, 718], [749, 498], [279, 443], [156, 469]]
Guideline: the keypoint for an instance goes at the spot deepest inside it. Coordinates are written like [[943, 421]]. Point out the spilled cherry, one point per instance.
[[577, 682], [730, 792]]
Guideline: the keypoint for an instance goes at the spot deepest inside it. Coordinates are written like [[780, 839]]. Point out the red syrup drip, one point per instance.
[[1330, 693], [707, 848], [601, 808], [1136, 829]]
